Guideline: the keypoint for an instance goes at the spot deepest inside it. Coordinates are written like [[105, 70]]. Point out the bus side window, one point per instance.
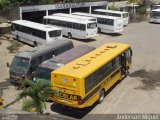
[[13, 27], [33, 64], [109, 67], [40, 59], [55, 52], [47, 56]]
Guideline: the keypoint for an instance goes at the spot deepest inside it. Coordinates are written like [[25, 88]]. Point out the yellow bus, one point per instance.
[[84, 81], [1, 99]]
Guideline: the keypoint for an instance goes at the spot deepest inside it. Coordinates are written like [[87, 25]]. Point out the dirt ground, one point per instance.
[[138, 93]]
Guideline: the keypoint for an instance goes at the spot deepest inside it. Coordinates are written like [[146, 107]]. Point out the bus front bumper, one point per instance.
[[155, 20], [92, 36]]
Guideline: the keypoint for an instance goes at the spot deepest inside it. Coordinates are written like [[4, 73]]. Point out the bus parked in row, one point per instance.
[[1, 99], [155, 6], [84, 81], [121, 14], [73, 27], [25, 63], [34, 33], [77, 16], [43, 71], [106, 24], [155, 16]]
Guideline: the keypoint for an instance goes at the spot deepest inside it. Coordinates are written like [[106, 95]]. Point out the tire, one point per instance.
[[18, 39], [69, 35], [101, 96], [99, 30], [35, 44]]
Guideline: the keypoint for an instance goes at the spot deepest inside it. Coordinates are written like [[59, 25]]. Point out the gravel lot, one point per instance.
[[138, 93]]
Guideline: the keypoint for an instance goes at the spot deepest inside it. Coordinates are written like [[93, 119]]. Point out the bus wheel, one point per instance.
[[69, 35], [99, 30], [18, 38], [101, 96], [35, 44]]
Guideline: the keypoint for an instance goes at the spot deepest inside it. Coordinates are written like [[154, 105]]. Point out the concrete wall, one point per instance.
[[10, 14]]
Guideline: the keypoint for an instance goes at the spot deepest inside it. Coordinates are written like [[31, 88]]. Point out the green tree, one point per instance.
[[4, 4], [38, 92], [112, 7], [133, 2]]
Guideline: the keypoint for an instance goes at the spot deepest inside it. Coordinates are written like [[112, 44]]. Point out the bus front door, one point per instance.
[[124, 68]]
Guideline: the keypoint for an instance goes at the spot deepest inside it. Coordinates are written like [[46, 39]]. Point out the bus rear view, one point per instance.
[[68, 90]]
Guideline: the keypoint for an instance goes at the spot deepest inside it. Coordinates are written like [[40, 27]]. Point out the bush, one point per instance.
[[112, 7], [4, 4], [142, 11]]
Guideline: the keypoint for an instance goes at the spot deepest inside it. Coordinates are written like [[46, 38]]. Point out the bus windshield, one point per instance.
[[55, 33], [42, 73], [91, 25], [20, 64], [155, 14]]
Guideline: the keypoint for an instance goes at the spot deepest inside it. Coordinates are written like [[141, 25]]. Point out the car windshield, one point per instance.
[[55, 33], [92, 25], [20, 64], [155, 14], [42, 73]]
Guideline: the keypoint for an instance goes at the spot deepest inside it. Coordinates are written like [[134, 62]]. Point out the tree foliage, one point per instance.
[[135, 1], [4, 4], [39, 92]]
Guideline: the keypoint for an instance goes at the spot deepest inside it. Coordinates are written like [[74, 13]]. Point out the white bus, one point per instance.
[[34, 33], [77, 17], [121, 14], [106, 24], [155, 7], [71, 27], [155, 16]]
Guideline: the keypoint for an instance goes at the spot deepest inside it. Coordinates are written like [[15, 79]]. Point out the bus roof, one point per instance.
[[156, 5], [88, 63], [43, 48], [156, 10], [74, 16], [95, 15], [66, 57], [110, 11], [35, 25], [63, 18]]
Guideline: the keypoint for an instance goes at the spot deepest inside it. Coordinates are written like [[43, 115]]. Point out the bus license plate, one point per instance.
[[68, 96]]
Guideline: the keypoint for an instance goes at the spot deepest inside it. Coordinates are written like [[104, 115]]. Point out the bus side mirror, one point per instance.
[[131, 52], [8, 64]]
